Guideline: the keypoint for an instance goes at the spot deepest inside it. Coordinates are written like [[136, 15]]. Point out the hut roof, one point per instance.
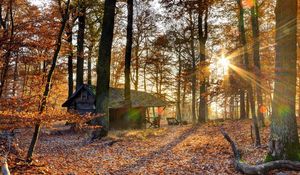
[[116, 98]]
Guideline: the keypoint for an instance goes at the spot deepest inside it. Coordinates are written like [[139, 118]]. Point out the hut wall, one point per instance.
[[122, 118]]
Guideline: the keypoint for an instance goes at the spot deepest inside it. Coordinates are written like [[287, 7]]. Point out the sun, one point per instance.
[[224, 63]]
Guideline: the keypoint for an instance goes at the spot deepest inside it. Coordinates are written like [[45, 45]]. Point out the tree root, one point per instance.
[[261, 168]]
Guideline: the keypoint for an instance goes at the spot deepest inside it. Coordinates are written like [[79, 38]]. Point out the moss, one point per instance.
[[293, 153], [268, 158]]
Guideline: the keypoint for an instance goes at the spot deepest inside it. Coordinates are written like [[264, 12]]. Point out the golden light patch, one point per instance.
[[248, 3]]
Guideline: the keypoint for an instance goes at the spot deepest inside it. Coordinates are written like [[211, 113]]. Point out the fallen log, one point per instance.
[[4, 168], [261, 168]]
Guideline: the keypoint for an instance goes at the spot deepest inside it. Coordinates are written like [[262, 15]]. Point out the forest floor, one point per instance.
[[168, 150]]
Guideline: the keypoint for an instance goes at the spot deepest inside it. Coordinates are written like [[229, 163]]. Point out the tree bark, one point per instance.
[[242, 105], [246, 63], [284, 140], [256, 60], [69, 34], [90, 48], [137, 65], [7, 55], [43, 103], [103, 67], [16, 74], [128, 52], [193, 75], [80, 44], [178, 103], [203, 33]]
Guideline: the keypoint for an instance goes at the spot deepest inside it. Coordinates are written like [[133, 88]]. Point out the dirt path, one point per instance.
[[171, 150]]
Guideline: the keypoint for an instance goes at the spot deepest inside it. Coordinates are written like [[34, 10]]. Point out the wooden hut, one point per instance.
[[83, 101]]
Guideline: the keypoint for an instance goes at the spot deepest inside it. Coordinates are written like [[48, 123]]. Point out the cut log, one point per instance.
[[261, 168], [4, 168]]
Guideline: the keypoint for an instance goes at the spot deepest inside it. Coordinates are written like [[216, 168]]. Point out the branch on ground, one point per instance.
[[261, 168]]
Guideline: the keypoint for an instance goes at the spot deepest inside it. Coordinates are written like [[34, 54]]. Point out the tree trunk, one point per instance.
[[254, 119], [128, 52], [256, 60], [48, 83], [203, 33], [7, 55], [16, 74], [192, 45], [178, 109], [137, 65], [91, 46], [246, 62], [242, 32], [69, 34], [284, 140], [242, 104], [103, 67], [247, 107], [184, 111], [80, 44]]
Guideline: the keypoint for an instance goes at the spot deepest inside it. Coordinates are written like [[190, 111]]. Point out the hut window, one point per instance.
[[84, 96]]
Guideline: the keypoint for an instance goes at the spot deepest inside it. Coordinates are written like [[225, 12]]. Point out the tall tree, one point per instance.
[[80, 43], [203, 34], [246, 62], [103, 67], [284, 140], [8, 26], [69, 35], [193, 73], [43, 103], [245, 54], [256, 59], [128, 51]]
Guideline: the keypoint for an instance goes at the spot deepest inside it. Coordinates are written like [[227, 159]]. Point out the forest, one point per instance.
[[149, 87]]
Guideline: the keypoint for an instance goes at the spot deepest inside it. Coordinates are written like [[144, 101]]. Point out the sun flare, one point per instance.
[[224, 63]]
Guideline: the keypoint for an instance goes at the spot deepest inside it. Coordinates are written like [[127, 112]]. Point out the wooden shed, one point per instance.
[[83, 101]]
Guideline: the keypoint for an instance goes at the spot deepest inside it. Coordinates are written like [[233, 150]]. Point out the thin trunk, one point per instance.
[[25, 79], [231, 107], [256, 58], [254, 119], [284, 140], [178, 109], [90, 64], [69, 34], [128, 51], [16, 74], [103, 67], [193, 75], [183, 100], [247, 107], [145, 84], [242, 104], [137, 65], [48, 83], [80, 44]]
